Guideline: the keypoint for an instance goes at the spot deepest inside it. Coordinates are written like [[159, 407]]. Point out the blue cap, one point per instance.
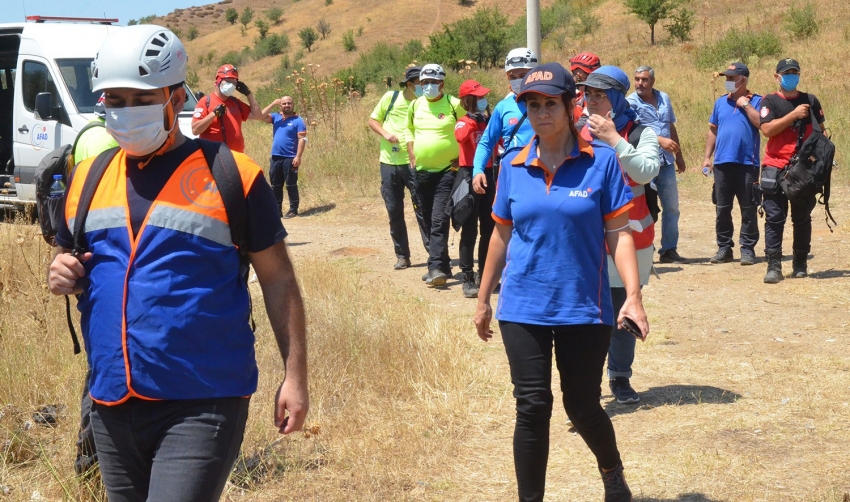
[[550, 79]]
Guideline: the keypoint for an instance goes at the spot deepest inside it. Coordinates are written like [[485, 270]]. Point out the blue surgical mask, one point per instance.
[[431, 90], [516, 85], [789, 81], [417, 90], [482, 104]]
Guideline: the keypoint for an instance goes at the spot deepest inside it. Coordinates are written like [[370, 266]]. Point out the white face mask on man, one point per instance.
[[139, 130], [516, 85], [431, 91], [227, 88]]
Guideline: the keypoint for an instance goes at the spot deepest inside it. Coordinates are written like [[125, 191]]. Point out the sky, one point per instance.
[[15, 11]]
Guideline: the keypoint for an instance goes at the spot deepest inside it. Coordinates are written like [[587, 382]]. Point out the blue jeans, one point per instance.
[[668, 197], [621, 352]]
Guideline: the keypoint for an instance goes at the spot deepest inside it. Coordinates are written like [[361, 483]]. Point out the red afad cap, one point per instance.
[[472, 88], [226, 71], [586, 61]]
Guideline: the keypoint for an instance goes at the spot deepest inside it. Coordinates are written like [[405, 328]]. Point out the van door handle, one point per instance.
[[23, 129]]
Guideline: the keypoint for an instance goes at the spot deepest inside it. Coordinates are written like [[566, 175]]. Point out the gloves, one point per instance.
[[241, 87], [220, 110]]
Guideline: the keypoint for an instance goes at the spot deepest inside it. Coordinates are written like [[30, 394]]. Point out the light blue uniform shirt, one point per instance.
[[659, 119], [506, 115]]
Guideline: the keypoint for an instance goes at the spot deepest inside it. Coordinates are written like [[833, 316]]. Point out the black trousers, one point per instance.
[[435, 191], [735, 181], [394, 180], [281, 172], [580, 352], [86, 450], [775, 214], [480, 223]]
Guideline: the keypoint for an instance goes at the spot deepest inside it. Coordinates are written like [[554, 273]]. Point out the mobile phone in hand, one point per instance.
[[632, 328]]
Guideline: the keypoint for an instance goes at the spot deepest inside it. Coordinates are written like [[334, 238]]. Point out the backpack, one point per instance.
[[226, 175], [809, 171], [58, 162]]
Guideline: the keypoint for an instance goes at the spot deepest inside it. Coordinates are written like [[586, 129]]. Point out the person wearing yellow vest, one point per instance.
[[164, 307], [613, 122], [96, 139], [433, 152]]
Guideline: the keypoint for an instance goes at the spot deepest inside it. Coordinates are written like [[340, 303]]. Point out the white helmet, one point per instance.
[[144, 56], [432, 70], [520, 58]]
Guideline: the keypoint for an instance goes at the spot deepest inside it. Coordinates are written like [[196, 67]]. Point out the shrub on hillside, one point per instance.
[[246, 17], [682, 24], [586, 24], [274, 14], [801, 22], [262, 27], [348, 41], [231, 15], [236, 58], [308, 37], [192, 33], [482, 38], [324, 28], [328, 2], [741, 46], [272, 45]]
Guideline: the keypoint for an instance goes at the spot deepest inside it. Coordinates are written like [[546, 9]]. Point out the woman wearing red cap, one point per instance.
[[561, 205]]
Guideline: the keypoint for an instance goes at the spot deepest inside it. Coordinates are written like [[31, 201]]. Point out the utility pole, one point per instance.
[[532, 15]]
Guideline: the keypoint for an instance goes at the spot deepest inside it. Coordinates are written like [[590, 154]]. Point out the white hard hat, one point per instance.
[[520, 58], [433, 71], [144, 56]]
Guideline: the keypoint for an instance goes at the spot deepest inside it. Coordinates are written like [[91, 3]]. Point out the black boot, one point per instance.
[[799, 264], [774, 266], [470, 290]]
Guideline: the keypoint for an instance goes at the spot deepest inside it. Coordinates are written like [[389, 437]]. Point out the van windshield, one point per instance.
[[77, 76]]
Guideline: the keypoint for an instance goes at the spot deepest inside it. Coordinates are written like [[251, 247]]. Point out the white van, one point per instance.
[[46, 96]]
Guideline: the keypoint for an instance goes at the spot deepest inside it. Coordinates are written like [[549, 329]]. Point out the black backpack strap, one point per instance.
[[225, 172], [454, 113], [635, 134], [98, 167], [90, 125], [515, 130], [390, 108]]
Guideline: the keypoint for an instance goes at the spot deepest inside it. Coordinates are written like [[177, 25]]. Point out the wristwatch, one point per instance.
[[746, 104]]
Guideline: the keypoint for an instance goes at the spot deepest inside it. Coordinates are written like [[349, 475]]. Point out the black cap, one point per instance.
[[411, 73], [736, 69], [550, 79], [601, 81], [787, 64]]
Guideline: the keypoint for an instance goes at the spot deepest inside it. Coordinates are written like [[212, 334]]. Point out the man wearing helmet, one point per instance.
[[164, 307], [219, 116]]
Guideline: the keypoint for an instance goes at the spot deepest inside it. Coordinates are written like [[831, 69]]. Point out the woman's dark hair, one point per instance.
[[469, 103], [566, 98]]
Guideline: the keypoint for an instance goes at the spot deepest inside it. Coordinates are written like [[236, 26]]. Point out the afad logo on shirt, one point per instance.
[[764, 112], [441, 116], [581, 193]]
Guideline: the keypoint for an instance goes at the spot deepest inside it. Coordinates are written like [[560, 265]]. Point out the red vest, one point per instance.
[[640, 219]]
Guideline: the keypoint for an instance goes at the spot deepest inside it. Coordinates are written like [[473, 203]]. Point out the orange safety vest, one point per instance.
[[640, 219]]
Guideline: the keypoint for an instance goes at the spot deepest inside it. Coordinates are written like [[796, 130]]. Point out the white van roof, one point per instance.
[[62, 40]]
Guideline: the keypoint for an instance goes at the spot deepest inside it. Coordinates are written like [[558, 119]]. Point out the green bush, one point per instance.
[[272, 45], [682, 24], [308, 38], [246, 17], [192, 79], [274, 14], [262, 27], [235, 58], [231, 15], [744, 46], [328, 2], [348, 41], [801, 22], [587, 22], [192, 33], [483, 38]]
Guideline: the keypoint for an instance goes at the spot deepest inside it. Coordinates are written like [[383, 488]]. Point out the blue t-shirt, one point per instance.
[[659, 119], [738, 141], [285, 134], [506, 115], [556, 270]]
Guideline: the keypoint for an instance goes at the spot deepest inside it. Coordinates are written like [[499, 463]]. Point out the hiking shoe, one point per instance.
[[478, 280], [799, 265], [774, 267], [425, 276], [747, 257], [723, 255], [401, 264], [616, 488], [435, 278], [470, 290], [290, 214], [671, 256], [623, 391]]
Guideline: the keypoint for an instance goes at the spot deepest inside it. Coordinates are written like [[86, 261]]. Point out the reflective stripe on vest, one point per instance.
[[164, 313]]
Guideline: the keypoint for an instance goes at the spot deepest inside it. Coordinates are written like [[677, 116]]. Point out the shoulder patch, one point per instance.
[[513, 121], [764, 111], [460, 124]]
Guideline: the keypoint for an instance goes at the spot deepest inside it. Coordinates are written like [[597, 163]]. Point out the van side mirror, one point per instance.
[[43, 106]]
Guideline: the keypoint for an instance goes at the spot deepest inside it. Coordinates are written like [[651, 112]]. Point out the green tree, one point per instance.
[[348, 41], [483, 38], [308, 38], [650, 12], [262, 27], [274, 14], [682, 24], [247, 16], [192, 33], [231, 15], [132, 22]]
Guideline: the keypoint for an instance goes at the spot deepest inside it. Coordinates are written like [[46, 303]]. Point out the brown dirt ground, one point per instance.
[[745, 386]]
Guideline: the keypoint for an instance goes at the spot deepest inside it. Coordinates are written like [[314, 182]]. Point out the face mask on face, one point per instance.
[[731, 86], [516, 85], [482, 104], [789, 82], [417, 90], [431, 90], [227, 88], [138, 129]]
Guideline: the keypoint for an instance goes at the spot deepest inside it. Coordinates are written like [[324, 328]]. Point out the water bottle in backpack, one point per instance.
[[57, 189]]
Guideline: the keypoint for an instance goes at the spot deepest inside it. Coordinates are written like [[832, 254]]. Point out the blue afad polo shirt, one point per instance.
[[556, 270], [738, 141], [285, 134]]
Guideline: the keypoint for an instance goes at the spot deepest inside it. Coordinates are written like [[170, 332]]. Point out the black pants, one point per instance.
[[775, 214], [479, 223], [735, 181], [86, 450], [168, 450], [580, 354], [394, 179], [280, 172], [435, 191]]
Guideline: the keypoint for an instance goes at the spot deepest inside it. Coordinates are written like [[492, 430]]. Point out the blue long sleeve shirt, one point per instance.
[[506, 115]]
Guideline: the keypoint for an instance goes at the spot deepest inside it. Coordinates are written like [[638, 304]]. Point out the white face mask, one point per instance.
[[516, 85], [482, 104], [431, 91], [138, 130], [731, 86], [227, 88]]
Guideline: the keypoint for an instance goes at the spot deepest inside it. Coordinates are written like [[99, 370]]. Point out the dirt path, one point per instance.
[[745, 386]]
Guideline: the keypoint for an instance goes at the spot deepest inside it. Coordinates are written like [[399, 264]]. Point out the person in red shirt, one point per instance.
[[582, 65], [468, 131], [219, 116]]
